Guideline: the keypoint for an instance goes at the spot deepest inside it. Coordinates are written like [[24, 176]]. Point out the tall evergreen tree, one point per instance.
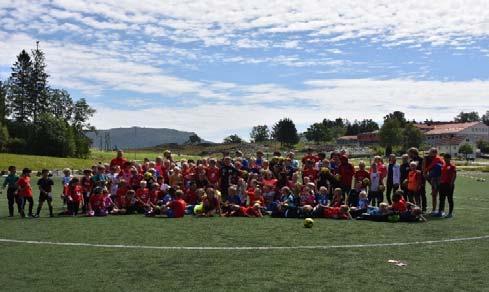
[[19, 88], [3, 102], [38, 89]]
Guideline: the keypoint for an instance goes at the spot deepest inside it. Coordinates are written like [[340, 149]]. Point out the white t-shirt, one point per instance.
[[374, 181]]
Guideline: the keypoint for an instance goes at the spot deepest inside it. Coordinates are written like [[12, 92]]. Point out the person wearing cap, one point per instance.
[[45, 184], [24, 192], [10, 183]]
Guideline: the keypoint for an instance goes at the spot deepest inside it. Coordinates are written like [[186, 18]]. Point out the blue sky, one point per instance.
[[220, 67]]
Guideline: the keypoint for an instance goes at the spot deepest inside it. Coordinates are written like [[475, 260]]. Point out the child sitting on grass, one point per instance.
[[337, 198], [97, 204]]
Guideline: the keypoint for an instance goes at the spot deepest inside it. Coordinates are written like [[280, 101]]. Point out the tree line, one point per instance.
[[36, 118], [396, 134]]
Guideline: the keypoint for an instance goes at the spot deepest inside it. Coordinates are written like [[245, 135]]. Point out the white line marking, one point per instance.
[[4, 240]]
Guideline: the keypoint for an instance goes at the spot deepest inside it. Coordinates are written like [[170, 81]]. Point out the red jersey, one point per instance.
[[25, 189], [448, 173], [414, 180], [346, 171], [382, 170], [178, 207], [252, 212], [97, 202], [118, 161], [311, 157], [360, 175], [212, 174], [143, 195], [436, 160], [399, 206], [334, 213], [75, 192], [191, 197], [135, 180], [86, 184], [311, 173], [154, 195], [270, 182]]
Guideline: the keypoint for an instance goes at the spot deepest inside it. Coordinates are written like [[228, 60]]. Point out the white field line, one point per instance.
[[123, 246]]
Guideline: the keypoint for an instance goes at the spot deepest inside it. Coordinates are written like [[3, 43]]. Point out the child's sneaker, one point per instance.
[[449, 216], [35, 216]]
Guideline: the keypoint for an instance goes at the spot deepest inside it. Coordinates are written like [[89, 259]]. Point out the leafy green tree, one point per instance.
[[362, 126], [285, 132], [61, 104], [19, 88], [317, 132], [82, 112], [485, 118], [465, 117], [483, 146], [54, 137], [38, 94], [335, 128], [397, 115], [466, 149], [232, 139], [391, 134], [260, 133], [412, 136]]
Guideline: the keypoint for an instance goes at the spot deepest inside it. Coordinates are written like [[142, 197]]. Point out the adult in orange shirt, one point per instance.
[[118, 160], [24, 192]]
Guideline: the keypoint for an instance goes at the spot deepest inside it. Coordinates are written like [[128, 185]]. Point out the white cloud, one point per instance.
[[346, 98]]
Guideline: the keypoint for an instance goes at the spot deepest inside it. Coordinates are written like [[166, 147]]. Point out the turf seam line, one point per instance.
[[123, 246]]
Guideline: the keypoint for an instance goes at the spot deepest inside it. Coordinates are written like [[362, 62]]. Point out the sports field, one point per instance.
[[134, 253]]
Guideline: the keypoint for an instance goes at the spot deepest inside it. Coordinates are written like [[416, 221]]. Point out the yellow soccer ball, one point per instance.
[[308, 222]]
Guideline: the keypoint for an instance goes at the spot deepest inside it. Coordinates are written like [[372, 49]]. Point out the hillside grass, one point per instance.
[[36, 162]]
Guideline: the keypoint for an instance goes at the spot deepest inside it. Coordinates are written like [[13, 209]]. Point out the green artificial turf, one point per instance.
[[454, 266]]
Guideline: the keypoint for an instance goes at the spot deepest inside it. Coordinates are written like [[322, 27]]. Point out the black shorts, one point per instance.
[[45, 197]]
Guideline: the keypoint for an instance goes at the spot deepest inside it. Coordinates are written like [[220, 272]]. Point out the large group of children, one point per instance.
[[318, 186]]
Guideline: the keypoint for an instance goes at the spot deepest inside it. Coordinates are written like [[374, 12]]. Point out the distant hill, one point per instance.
[[136, 137]]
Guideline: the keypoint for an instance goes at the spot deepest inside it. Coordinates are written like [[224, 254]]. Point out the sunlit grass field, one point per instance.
[[36, 163], [449, 266]]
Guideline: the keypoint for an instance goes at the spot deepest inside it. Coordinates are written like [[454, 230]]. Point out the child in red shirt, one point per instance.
[[74, 197], [176, 207], [97, 206], [447, 185], [212, 173], [398, 202], [24, 192], [361, 173], [142, 197]]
